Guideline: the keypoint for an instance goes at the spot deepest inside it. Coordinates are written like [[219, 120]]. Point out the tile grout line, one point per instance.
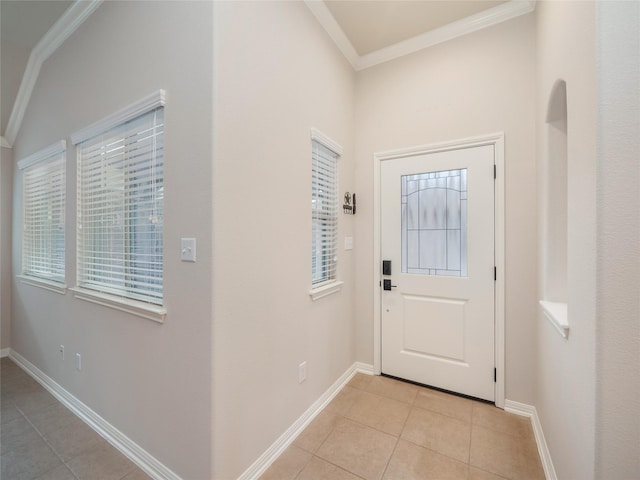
[[357, 423], [47, 443], [404, 425], [470, 442], [395, 447], [62, 462], [413, 407], [314, 454], [473, 407], [386, 467], [39, 433]]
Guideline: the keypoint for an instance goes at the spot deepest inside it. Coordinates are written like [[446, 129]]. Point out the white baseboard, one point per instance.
[[5, 352], [365, 368], [143, 459], [287, 438], [531, 412]]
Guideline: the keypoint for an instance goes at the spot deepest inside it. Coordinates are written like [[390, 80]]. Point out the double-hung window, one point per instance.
[[43, 238], [120, 203], [324, 212]]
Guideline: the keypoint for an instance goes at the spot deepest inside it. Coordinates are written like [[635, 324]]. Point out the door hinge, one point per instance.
[[495, 172], [495, 273], [495, 375]]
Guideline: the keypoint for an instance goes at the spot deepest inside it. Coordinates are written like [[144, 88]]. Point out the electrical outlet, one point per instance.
[[78, 362], [61, 350], [302, 372]]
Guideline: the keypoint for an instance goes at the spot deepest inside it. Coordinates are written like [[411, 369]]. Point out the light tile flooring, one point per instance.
[[41, 439], [380, 428], [375, 428]]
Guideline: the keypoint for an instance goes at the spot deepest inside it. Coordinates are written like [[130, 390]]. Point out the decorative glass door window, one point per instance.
[[434, 223]]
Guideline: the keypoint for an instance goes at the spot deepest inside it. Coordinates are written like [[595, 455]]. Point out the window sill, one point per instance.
[[50, 285], [134, 307], [325, 290], [556, 313]]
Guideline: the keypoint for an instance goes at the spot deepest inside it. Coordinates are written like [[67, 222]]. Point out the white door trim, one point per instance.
[[497, 140]]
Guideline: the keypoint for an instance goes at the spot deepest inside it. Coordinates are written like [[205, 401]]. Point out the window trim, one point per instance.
[[50, 285], [331, 286], [134, 110], [157, 313], [47, 153], [130, 305], [325, 289]]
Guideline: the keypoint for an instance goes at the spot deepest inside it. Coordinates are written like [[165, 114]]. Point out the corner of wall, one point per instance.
[[6, 194]]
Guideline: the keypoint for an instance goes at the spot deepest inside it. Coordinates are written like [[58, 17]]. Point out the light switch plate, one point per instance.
[[348, 242], [188, 249]]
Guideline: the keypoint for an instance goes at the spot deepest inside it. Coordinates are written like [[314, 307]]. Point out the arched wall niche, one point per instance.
[[555, 285]]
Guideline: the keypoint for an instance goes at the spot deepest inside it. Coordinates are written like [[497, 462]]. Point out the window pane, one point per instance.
[[120, 210], [434, 223], [324, 210], [43, 239]]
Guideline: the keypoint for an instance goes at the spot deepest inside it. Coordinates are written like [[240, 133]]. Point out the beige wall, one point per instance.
[[151, 381], [6, 179], [478, 84], [618, 259], [566, 368], [240, 319], [10, 78], [277, 75]]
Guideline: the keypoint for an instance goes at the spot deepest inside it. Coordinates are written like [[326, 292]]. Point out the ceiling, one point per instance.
[[373, 25], [368, 32]]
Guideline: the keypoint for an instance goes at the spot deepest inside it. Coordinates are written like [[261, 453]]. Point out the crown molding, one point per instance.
[[473, 23], [68, 23], [481, 20], [324, 16]]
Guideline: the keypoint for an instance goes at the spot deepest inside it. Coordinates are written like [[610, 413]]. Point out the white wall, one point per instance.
[[618, 259], [566, 368], [6, 178], [277, 75], [151, 381], [478, 84]]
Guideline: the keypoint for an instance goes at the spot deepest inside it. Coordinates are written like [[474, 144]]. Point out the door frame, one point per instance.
[[497, 141]]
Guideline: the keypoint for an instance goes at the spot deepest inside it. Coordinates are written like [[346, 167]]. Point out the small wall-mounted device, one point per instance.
[[349, 206], [386, 267]]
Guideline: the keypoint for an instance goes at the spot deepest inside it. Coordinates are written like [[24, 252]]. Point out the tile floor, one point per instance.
[[375, 428], [380, 428], [41, 439]]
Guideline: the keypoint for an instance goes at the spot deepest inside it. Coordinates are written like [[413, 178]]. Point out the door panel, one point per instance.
[[437, 222], [434, 327]]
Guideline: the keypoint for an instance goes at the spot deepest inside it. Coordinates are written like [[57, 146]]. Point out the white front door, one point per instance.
[[437, 231]]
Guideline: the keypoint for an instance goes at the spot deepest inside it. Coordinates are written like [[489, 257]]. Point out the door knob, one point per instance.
[[386, 284]]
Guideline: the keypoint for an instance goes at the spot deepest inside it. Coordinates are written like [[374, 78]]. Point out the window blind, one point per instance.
[[43, 239], [324, 208], [120, 209]]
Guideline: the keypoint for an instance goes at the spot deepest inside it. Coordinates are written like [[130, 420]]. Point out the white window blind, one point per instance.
[[43, 239], [120, 209], [324, 208]]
